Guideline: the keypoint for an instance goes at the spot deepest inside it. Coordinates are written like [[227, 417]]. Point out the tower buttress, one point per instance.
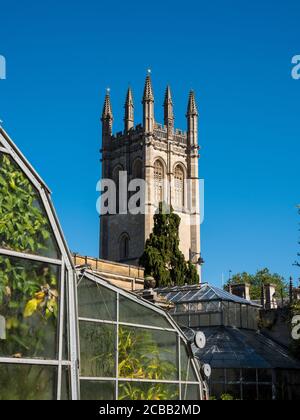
[[148, 106], [129, 111], [193, 173], [168, 113]]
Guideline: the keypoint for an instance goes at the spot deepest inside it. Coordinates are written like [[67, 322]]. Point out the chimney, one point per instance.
[[270, 291], [149, 295], [241, 290]]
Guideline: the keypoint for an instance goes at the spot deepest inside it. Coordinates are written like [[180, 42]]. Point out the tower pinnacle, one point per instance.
[[148, 91], [107, 121], [192, 120], [148, 106], [129, 111], [168, 112], [107, 108], [192, 107]]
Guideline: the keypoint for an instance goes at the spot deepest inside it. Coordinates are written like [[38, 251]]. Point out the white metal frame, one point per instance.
[[96, 278], [67, 277]]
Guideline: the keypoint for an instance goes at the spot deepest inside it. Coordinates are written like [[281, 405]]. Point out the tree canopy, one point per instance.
[[162, 258], [262, 277]]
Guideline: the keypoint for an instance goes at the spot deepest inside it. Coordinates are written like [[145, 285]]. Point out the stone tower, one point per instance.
[[167, 160]]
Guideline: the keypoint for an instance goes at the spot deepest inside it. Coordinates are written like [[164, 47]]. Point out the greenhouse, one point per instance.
[[108, 344], [205, 305], [245, 363], [131, 349]]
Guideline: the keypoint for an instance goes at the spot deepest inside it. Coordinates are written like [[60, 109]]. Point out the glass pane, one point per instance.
[[203, 320], [249, 375], [27, 382], [183, 320], [264, 375], [218, 375], [265, 392], [234, 315], [215, 319], [96, 302], [65, 352], [253, 317], [244, 316], [233, 375], [29, 308], [190, 392], [187, 369], [97, 390], [24, 225], [135, 313], [65, 384], [216, 391], [234, 391], [97, 349], [250, 392], [147, 391], [147, 354]]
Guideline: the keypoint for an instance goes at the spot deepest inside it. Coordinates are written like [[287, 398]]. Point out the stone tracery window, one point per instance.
[[179, 186], [158, 182]]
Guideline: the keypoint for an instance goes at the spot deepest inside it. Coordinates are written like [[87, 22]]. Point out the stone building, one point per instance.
[[167, 160]]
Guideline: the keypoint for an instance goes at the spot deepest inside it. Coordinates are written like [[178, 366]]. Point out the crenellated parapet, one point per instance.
[[165, 132]]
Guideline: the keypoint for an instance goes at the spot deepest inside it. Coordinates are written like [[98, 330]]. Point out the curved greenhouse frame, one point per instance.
[[38, 336], [131, 349]]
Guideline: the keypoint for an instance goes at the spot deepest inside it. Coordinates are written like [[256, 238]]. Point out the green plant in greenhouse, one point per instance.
[[147, 392], [141, 358], [227, 397], [28, 289], [23, 225]]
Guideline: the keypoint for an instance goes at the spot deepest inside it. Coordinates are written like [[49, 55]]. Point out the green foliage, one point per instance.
[[27, 382], [162, 258], [148, 392], [227, 397], [141, 358], [23, 225], [28, 289], [98, 349], [256, 280]]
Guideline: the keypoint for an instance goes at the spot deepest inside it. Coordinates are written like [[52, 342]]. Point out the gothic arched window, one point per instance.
[[137, 169], [124, 246], [158, 181], [179, 186]]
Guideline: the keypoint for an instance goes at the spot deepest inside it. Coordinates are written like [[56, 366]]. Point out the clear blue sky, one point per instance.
[[61, 55]]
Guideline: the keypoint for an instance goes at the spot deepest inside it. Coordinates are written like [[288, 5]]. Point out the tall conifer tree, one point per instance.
[[162, 258]]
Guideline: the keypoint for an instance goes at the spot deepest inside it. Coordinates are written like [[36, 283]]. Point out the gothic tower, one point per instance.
[[167, 160]]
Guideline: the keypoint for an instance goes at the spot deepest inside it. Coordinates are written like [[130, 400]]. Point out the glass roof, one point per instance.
[[200, 293], [235, 348]]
